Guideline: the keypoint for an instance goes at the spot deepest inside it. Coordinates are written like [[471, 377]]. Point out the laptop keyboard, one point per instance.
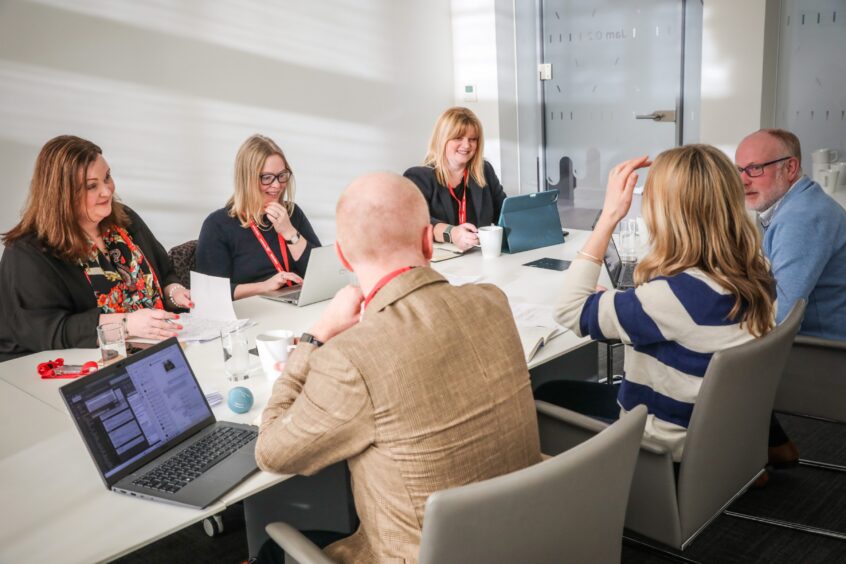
[[182, 469]]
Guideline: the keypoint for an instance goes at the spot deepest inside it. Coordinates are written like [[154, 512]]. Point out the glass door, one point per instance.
[[612, 82]]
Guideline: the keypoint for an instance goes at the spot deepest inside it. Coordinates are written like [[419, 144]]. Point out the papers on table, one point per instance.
[[536, 325], [445, 251], [460, 279]]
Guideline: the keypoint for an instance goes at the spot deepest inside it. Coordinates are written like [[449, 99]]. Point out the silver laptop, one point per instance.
[[324, 276], [620, 272], [152, 434]]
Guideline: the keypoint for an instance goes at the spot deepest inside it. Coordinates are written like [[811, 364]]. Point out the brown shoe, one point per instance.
[[785, 455], [761, 480]]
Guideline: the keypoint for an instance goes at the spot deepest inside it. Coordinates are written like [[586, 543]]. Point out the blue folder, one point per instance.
[[530, 221]]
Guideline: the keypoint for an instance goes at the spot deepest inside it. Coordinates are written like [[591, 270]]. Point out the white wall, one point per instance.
[[170, 90], [733, 73]]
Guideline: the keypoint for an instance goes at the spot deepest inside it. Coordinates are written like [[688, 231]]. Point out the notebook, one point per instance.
[[324, 276], [621, 273], [530, 221], [151, 432]]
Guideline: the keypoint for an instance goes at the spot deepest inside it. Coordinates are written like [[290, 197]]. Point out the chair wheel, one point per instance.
[[213, 526]]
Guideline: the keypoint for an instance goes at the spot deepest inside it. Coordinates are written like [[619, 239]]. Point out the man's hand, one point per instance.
[[343, 312]]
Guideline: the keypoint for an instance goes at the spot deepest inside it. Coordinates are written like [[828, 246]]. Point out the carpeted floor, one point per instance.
[[806, 495]]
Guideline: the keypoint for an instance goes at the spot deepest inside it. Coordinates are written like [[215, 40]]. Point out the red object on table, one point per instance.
[[58, 369]]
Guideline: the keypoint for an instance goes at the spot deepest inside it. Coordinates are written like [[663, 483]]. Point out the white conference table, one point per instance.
[[56, 506]]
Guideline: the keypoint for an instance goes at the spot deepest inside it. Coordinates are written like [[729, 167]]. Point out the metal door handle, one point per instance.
[[661, 115]]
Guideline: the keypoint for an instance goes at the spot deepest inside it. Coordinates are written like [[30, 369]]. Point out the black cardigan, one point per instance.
[[487, 201], [47, 303]]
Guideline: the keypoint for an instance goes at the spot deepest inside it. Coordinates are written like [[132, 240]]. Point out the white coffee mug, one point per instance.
[[273, 347], [490, 239], [824, 156]]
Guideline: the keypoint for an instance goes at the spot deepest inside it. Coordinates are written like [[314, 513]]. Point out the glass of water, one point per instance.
[[236, 353], [112, 340], [628, 240]]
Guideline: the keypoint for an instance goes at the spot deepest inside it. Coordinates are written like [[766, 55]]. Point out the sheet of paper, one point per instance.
[[537, 315], [211, 297], [460, 279]]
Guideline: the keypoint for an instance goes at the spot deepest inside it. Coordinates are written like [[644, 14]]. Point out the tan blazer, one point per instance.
[[430, 391]]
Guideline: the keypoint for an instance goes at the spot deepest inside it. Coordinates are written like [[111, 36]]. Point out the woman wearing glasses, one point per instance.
[[261, 240]]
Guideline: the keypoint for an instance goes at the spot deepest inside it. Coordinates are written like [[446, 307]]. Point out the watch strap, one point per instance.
[[309, 338], [293, 240]]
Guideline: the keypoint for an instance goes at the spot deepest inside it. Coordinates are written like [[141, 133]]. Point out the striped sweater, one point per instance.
[[671, 327]]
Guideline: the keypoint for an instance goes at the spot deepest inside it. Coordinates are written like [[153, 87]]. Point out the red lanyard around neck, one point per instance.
[[269, 251], [383, 282], [462, 203]]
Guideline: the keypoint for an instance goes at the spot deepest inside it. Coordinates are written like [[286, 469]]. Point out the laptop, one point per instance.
[[152, 434], [324, 276], [621, 273], [530, 221]]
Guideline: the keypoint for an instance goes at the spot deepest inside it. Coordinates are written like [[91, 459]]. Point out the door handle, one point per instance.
[[659, 115]]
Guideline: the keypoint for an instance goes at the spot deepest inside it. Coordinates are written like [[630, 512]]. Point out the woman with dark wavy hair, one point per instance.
[[79, 258]]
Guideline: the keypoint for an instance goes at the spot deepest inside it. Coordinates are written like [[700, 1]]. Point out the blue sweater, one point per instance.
[[806, 244], [226, 249]]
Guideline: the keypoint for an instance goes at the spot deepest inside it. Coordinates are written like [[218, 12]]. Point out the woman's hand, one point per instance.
[[279, 280], [152, 324], [278, 216], [464, 236], [179, 296], [620, 189]]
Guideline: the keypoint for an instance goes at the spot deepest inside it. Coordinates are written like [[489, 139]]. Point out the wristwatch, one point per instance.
[[447, 237], [293, 240], [309, 338]]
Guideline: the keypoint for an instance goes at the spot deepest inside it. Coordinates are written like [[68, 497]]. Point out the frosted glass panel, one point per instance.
[[811, 91], [611, 61]]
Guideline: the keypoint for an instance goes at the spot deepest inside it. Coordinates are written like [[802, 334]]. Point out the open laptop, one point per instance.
[[324, 276], [621, 273], [152, 434]]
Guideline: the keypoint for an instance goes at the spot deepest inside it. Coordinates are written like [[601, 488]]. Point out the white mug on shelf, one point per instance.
[[824, 156], [841, 179], [830, 180]]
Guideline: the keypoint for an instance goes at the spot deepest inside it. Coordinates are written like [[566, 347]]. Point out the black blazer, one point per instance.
[[487, 201], [47, 303]]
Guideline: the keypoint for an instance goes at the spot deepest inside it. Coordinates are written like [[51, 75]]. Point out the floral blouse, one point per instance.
[[121, 277]]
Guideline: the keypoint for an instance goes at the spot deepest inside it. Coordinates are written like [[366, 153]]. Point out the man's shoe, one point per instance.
[[761, 480], [785, 455]]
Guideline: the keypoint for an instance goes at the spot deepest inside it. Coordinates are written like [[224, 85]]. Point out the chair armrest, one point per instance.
[[807, 341], [561, 429], [296, 545]]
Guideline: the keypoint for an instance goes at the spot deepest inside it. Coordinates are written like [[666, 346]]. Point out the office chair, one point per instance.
[[813, 387], [725, 449], [570, 506], [183, 259]]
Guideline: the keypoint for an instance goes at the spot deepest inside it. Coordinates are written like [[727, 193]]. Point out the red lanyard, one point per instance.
[[383, 281], [462, 203], [269, 251], [134, 251]]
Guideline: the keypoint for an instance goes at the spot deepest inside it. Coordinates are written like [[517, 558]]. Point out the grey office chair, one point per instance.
[[813, 386], [183, 259], [725, 449], [569, 507]]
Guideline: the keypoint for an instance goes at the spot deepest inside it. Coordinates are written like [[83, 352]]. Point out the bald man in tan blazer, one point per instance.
[[427, 389]]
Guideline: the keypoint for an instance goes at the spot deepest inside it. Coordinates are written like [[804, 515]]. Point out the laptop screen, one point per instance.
[[137, 407], [613, 262]]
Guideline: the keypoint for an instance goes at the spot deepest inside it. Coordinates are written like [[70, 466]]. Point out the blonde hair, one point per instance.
[[55, 192], [693, 206], [246, 202], [452, 124]]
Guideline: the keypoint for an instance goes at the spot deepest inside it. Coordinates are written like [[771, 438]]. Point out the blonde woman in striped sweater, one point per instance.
[[704, 286]]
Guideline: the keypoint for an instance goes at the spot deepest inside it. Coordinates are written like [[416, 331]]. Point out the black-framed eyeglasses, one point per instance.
[[282, 177], [755, 170]]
